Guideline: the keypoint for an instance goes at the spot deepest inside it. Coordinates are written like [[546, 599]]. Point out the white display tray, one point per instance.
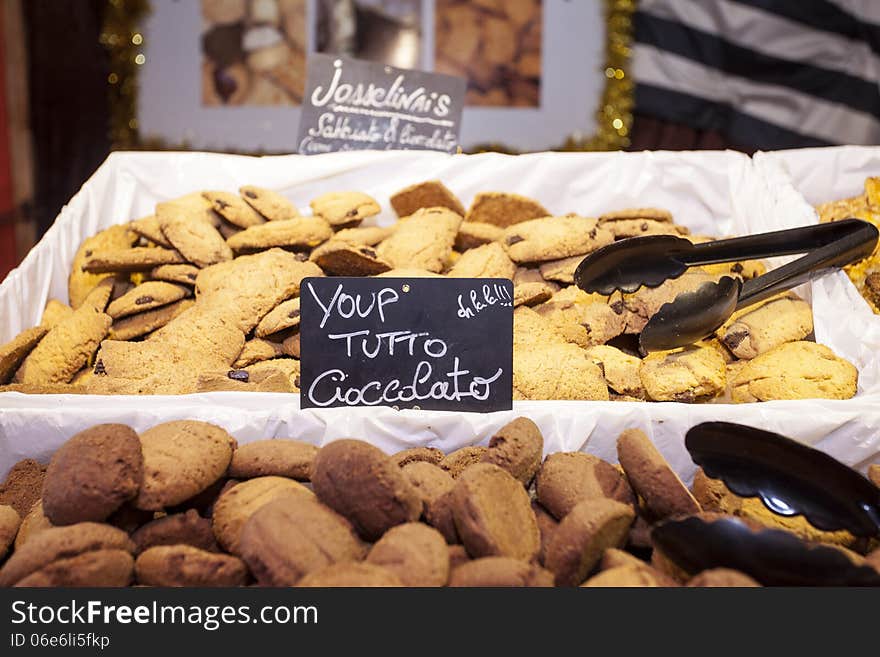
[[713, 193]]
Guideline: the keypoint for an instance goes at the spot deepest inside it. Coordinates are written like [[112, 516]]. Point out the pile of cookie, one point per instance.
[[182, 504], [203, 296], [866, 206]]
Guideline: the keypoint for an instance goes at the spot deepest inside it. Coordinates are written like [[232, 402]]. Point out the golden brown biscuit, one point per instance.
[[662, 492], [414, 552], [499, 571], [283, 458], [583, 535], [493, 514], [568, 478], [755, 330], [237, 504], [517, 447], [146, 296], [553, 238], [722, 577], [32, 523], [150, 227], [359, 481], [185, 565], [366, 235], [232, 208], [348, 575], [344, 209], [182, 274], [284, 316], [557, 371], [271, 205], [630, 576], [290, 537], [197, 241], [472, 234], [54, 312], [181, 459], [142, 323], [13, 353], [338, 258], [93, 474], [130, 260], [689, 374], [298, 233], [615, 557], [176, 529], [486, 261], [96, 568], [10, 521], [80, 282], [423, 240]]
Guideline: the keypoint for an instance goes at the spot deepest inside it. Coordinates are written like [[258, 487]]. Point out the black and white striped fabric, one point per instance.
[[770, 73]]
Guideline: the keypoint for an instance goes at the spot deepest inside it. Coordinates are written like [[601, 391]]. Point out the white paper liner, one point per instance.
[[713, 193]]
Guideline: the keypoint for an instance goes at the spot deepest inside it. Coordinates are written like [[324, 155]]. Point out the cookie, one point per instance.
[[472, 234], [181, 458], [96, 568], [874, 473], [146, 296], [456, 462], [415, 454], [237, 504], [722, 577], [93, 474], [255, 351], [290, 346], [502, 209], [414, 552], [61, 543], [142, 323], [232, 208], [284, 316], [191, 207], [299, 233], [9, 524], [754, 331], [23, 485], [434, 486], [583, 535], [654, 214], [656, 483], [621, 370], [365, 235], [561, 270], [493, 514], [423, 240], [32, 523], [554, 371], [100, 294], [546, 525], [487, 261], [288, 367], [630, 576], [283, 458], [344, 209], [187, 528], [128, 260], [272, 205], [428, 194], [338, 258], [552, 238], [408, 272], [689, 374], [66, 348], [795, 370], [13, 353], [359, 481], [54, 312], [288, 538], [185, 565], [499, 571], [458, 556], [568, 478], [531, 294], [150, 228], [80, 282], [517, 447], [623, 228], [348, 575], [182, 274], [615, 557], [197, 241]]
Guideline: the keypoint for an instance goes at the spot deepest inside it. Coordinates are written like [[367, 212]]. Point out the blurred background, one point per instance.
[[79, 78]]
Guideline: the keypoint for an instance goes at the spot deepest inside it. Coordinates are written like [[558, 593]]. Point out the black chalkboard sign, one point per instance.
[[351, 104], [430, 343]]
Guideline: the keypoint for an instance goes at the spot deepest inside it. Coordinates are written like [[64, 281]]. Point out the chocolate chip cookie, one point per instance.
[[232, 208], [13, 353], [778, 320], [344, 209], [552, 238], [423, 240], [272, 205], [298, 233], [487, 261], [339, 258], [690, 374], [146, 296]]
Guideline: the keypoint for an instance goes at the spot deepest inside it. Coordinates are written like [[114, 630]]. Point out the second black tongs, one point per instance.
[[632, 263]]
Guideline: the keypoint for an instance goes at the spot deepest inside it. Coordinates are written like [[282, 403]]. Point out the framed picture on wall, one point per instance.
[[229, 74]]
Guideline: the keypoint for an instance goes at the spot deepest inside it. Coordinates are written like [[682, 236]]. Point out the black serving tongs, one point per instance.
[[632, 263], [791, 479]]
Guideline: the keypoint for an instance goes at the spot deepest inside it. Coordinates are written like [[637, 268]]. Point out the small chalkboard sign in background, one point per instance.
[[351, 104], [429, 343]]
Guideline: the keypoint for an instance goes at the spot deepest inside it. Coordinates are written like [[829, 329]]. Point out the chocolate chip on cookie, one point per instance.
[[232, 208], [197, 241], [583, 535], [181, 459], [359, 481], [150, 227], [414, 552], [652, 478], [499, 571], [240, 502], [493, 514], [185, 565], [344, 209], [690, 374], [93, 474], [289, 538], [567, 478], [283, 458], [272, 205], [146, 296], [756, 330], [142, 323]]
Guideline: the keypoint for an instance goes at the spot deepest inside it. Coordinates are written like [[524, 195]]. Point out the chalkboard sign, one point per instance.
[[352, 104], [429, 343]]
